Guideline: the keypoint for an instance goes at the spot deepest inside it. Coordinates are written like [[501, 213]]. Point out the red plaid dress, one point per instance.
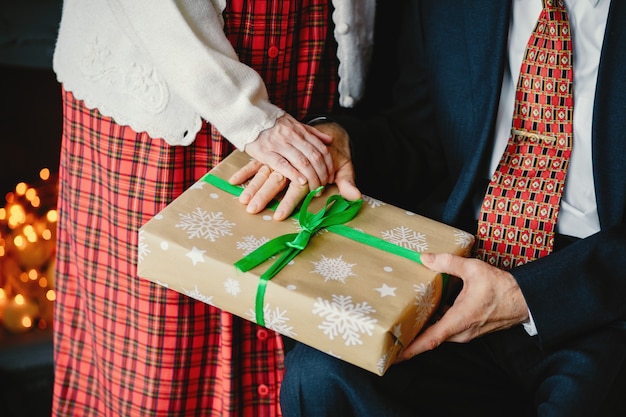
[[127, 347]]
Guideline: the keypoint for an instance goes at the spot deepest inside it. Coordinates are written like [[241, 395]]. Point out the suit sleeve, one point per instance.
[[578, 288]]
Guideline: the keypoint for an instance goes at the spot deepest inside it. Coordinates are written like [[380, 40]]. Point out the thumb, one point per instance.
[[443, 262], [344, 178]]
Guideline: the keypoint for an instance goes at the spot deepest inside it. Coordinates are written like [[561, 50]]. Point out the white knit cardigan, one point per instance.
[[161, 66]]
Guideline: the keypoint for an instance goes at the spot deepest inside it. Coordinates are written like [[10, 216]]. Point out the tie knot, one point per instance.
[[554, 4]]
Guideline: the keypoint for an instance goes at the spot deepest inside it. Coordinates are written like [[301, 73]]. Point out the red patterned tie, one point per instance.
[[519, 212]]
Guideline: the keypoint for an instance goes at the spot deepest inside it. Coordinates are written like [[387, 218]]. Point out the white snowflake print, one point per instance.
[[381, 365], [425, 302], [142, 246], [407, 238], [335, 269], [232, 287], [201, 224], [397, 332], [195, 293], [198, 185], [333, 354], [372, 202], [250, 243], [163, 284], [275, 319], [463, 239], [345, 319]]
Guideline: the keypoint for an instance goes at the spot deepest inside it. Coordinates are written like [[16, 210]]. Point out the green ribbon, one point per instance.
[[337, 210], [331, 217]]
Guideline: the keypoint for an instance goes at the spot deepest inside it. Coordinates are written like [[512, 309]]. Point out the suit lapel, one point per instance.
[[609, 120], [486, 27]]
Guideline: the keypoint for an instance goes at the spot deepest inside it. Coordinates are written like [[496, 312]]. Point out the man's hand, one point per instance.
[[490, 300], [296, 151], [267, 184]]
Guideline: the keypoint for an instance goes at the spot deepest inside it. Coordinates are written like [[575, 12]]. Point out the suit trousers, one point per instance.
[[504, 373]]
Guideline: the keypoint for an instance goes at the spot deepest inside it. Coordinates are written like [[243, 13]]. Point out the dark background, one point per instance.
[[30, 137], [30, 120]]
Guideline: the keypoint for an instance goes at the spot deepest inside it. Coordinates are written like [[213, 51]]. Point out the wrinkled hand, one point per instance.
[[295, 150], [490, 300], [266, 184]]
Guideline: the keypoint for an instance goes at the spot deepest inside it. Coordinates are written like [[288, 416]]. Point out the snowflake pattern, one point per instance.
[[372, 202], [232, 287], [163, 284], [198, 185], [142, 246], [407, 238], [345, 319], [425, 302], [195, 293], [250, 243], [275, 319], [381, 365], [334, 269], [463, 239], [201, 224], [397, 332]]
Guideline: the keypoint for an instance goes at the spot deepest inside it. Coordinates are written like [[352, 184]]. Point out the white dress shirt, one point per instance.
[[578, 215]]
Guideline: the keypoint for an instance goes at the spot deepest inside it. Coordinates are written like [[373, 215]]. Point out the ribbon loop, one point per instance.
[[337, 210]]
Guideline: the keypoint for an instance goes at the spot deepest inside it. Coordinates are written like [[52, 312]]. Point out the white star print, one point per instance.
[[386, 290], [196, 255]]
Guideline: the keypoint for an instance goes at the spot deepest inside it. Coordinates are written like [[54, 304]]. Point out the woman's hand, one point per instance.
[[266, 183], [295, 150]]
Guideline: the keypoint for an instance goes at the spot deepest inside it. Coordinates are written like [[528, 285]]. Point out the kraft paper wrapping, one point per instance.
[[348, 299]]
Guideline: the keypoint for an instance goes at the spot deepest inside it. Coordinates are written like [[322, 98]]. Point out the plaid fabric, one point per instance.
[[291, 45], [299, 70], [127, 347]]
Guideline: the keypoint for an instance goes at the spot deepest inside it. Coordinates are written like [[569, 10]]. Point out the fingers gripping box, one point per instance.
[[342, 277]]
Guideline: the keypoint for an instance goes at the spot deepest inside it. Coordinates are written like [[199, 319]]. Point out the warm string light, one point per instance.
[[27, 249], [3, 301]]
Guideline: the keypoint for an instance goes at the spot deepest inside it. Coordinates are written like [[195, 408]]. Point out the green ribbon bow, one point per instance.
[[337, 210]]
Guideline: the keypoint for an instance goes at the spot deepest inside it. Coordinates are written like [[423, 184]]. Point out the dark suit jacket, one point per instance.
[[430, 153]]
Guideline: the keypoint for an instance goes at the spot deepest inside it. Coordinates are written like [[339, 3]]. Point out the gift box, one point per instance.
[[342, 277]]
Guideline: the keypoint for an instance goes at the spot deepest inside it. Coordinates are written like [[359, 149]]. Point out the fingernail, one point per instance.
[[427, 257], [302, 180], [252, 208], [245, 199]]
